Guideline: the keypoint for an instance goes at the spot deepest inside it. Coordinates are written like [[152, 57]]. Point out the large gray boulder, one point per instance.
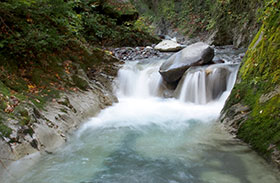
[[169, 46], [194, 55]]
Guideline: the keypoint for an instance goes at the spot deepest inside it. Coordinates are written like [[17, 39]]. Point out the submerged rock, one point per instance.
[[194, 55], [169, 46]]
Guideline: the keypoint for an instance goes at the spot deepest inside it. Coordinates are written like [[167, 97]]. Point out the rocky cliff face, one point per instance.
[[33, 128], [252, 111]]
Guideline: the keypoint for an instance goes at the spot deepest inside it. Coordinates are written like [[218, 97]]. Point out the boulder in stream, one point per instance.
[[169, 46], [194, 55]]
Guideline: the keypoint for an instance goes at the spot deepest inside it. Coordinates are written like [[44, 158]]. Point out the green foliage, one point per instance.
[[31, 28], [44, 43], [143, 24], [193, 17]]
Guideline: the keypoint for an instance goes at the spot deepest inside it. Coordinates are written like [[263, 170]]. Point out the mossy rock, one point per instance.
[[4, 130], [259, 76], [80, 82], [23, 115], [25, 121]]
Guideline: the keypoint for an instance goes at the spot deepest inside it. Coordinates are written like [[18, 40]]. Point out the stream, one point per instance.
[[148, 138]]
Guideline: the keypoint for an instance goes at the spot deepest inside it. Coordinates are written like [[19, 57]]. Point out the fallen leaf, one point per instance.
[[9, 109], [30, 86]]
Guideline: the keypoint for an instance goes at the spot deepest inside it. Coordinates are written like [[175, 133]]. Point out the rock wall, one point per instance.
[[252, 111]]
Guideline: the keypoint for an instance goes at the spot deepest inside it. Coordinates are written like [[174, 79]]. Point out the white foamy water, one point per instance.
[[137, 113], [145, 138], [139, 80], [205, 84]]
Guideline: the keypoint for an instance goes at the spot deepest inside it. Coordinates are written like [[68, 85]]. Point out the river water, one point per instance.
[[146, 138]]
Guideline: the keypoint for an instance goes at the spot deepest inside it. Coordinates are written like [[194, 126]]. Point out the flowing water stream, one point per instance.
[[146, 138]]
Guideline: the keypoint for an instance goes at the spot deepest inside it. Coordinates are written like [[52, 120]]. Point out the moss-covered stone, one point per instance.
[[80, 82], [258, 86], [4, 129]]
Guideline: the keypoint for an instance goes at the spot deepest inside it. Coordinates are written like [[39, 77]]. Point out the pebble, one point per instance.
[[137, 53]]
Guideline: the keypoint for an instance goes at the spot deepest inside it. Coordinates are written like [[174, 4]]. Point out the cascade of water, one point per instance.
[[134, 80], [194, 88], [144, 138], [200, 85], [204, 84]]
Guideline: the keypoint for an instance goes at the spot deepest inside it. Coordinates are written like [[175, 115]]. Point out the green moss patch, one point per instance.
[[259, 76], [4, 130], [262, 129], [80, 83]]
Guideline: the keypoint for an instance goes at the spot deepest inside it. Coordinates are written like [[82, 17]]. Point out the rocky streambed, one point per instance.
[[147, 137], [60, 117]]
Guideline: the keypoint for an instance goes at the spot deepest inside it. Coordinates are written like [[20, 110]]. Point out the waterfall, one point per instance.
[[204, 84], [148, 138], [194, 87], [199, 85], [139, 79]]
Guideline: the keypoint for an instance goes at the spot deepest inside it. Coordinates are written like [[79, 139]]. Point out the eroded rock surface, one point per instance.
[[52, 125]]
